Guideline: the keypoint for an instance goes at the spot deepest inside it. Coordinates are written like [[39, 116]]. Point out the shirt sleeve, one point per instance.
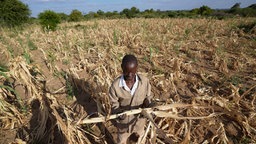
[[149, 95], [113, 100]]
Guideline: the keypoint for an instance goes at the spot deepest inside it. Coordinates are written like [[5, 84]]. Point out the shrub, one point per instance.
[[49, 20], [130, 13], [247, 27], [247, 12], [63, 16], [172, 14], [75, 16], [13, 12], [205, 10], [221, 15]]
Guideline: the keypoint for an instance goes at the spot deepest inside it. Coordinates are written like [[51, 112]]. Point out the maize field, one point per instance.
[[203, 69]]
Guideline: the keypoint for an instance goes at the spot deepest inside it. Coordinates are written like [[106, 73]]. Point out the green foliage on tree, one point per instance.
[[13, 12], [75, 16], [249, 11], [196, 12], [148, 13], [221, 14], [49, 20], [130, 13], [125, 12], [63, 16], [89, 16], [113, 14], [205, 10], [172, 14], [246, 12], [100, 13], [135, 10]]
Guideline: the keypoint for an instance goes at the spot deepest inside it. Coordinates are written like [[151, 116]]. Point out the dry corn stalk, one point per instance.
[[158, 111], [170, 51]]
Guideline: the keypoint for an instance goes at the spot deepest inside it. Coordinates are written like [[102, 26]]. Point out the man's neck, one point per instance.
[[130, 83]]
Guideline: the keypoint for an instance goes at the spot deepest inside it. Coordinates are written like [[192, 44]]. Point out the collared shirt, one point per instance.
[[122, 83]]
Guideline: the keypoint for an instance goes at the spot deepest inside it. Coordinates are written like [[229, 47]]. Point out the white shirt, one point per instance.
[[122, 83]]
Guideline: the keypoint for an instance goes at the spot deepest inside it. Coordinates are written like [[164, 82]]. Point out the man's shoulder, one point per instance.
[[143, 78], [116, 81]]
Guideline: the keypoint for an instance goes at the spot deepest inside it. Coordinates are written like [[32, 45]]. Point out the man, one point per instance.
[[129, 91]]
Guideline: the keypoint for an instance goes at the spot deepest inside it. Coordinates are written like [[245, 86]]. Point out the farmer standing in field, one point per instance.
[[129, 91]]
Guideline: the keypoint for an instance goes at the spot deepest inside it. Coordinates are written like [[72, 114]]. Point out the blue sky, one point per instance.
[[85, 6]]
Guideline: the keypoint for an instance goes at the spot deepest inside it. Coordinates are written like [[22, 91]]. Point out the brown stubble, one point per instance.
[[193, 61]]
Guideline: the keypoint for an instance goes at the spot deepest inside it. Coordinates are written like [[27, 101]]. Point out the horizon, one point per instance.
[[66, 6]]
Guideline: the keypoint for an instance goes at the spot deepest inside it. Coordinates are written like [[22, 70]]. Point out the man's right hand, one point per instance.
[[122, 117], [145, 103]]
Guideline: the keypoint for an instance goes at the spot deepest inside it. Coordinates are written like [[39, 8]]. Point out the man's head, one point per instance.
[[129, 66]]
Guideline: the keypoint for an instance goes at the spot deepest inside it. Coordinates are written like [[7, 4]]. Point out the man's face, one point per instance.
[[129, 70]]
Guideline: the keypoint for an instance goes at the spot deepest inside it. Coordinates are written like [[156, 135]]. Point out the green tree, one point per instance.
[[13, 12], [112, 15], [195, 11], [148, 13], [135, 10], [100, 13], [205, 10], [63, 16], [172, 14], [49, 20], [75, 16], [246, 12], [90, 15], [109, 14], [130, 13], [125, 12]]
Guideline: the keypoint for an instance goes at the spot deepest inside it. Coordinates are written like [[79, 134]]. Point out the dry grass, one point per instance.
[[204, 62]]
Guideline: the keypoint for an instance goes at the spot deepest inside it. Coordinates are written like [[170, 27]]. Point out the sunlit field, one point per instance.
[[51, 81]]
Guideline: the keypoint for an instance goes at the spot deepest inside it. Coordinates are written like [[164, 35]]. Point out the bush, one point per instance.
[[63, 16], [13, 12], [205, 10], [75, 16], [49, 20], [221, 15], [172, 14], [130, 13], [247, 27], [247, 12]]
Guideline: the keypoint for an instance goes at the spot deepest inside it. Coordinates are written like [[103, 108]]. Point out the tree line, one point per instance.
[[14, 12], [203, 11]]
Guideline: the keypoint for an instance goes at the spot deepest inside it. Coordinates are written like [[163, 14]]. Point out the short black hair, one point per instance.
[[129, 58]]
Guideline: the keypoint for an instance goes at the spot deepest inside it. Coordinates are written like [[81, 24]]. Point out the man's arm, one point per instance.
[[149, 94], [147, 101], [115, 103], [113, 100]]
